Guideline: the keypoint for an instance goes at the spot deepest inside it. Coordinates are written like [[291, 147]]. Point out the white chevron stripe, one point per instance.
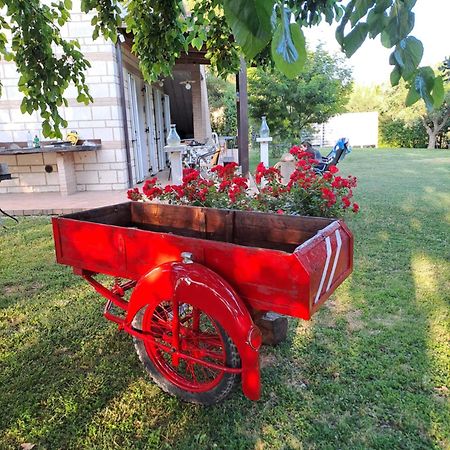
[[336, 258], [325, 269]]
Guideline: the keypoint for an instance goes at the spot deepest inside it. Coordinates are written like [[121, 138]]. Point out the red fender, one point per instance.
[[206, 290]]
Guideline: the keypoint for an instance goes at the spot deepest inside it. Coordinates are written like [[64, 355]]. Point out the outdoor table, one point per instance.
[[64, 159]]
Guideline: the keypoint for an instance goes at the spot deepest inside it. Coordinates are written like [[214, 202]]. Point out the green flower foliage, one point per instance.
[[162, 30]]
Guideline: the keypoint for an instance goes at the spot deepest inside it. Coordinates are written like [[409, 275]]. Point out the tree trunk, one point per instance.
[[432, 132], [432, 140]]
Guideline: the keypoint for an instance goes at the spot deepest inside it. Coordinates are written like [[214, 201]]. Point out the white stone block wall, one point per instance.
[[104, 169], [29, 173]]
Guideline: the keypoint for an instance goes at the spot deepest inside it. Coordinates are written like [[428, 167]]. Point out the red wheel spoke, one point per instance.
[[212, 355], [190, 367], [193, 334], [158, 315], [212, 371], [205, 374], [204, 337], [162, 324], [196, 320]]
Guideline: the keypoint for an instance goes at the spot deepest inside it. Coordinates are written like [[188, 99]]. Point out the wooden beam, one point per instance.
[[193, 58], [242, 117]]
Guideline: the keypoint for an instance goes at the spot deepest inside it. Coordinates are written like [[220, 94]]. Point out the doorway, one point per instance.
[[141, 166], [158, 97], [150, 129]]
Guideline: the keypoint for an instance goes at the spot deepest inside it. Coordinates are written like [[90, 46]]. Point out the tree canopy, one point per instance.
[[264, 31], [292, 105]]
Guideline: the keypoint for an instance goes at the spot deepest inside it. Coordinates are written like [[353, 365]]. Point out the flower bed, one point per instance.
[[307, 193]]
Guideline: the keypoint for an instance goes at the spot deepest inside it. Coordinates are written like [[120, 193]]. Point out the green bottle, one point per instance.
[[36, 141]]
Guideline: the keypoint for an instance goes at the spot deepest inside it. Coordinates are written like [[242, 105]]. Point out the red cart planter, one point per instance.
[[198, 277]]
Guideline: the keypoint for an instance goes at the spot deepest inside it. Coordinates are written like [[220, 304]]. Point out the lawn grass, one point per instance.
[[370, 371]]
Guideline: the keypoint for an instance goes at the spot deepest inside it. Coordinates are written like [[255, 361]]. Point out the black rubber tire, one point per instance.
[[213, 396]]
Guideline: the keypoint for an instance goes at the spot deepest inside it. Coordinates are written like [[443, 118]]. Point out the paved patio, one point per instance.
[[53, 203]]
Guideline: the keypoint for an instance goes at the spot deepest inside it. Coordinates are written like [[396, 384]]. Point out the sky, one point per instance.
[[371, 61]]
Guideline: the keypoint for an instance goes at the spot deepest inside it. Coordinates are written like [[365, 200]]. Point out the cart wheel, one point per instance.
[[200, 337]]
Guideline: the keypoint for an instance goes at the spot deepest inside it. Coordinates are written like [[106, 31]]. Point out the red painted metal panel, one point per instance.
[[328, 258]]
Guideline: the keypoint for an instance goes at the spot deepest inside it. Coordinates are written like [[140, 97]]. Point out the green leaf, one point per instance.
[[354, 39], [408, 55], [409, 3], [197, 43], [376, 22], [68, 4], [341, 27], [46, 128], [361, 9], [392, 59], [399, 25], [395, 76], [339, 11], [422, 87], [282, 52], [438, 92], [81, 98], [382, 5], [250, 23], [412, 97]]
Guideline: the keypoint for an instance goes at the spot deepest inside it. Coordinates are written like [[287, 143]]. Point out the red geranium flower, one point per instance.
[[346, 202], [333, 169], [134, 194], [190, 175]]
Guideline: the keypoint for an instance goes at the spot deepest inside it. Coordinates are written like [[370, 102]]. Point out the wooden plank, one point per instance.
[[256, 228], [205, 223], [312, 224], [182, 220], [192, 59], [219, 224], [240, 227], [273, 327], [288, 248], [119, 215]]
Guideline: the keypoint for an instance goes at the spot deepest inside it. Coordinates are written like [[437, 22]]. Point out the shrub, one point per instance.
[[401, 133]]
